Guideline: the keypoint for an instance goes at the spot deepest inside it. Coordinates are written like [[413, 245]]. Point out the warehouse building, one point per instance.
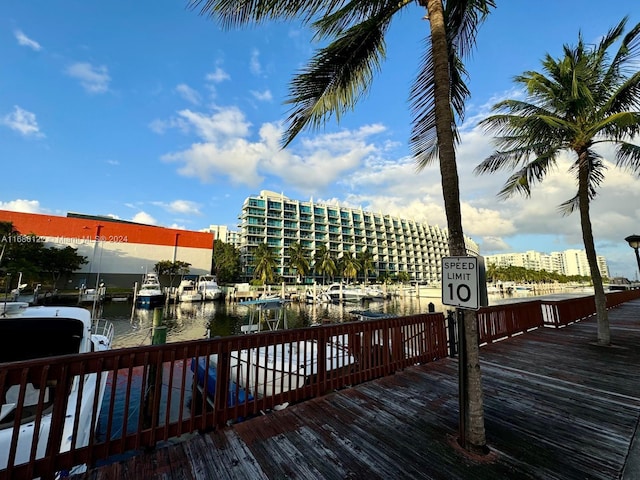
[[119, 253]]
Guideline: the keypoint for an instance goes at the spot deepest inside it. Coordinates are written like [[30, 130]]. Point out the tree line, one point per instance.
[[526, 275], [27, 254]]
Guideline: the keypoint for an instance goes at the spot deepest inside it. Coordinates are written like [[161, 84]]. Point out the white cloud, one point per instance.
[[217, 76], [225, 150], [25, 41], [22, 205], [188, 93], [254, 62], [223, 123], [144, 217], [184, 207], [265, 96], [22, 121], [94, 79]]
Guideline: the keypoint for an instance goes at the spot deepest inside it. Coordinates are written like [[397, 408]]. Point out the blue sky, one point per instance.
[[151, 112]]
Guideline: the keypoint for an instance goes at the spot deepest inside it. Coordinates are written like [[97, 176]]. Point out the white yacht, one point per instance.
[[30, 333]]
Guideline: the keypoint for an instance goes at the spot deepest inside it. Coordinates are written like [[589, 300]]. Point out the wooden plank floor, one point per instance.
[[556, 407]]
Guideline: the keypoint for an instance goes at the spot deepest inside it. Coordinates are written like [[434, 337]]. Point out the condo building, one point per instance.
[[396, 244], [569, 262]]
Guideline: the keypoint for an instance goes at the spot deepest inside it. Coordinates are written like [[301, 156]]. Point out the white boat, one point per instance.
[[275, 369], [375, 293], [428, 290], [150, 294], [28, 333], [92, 295], [188, 291], [208, 287], [337, 292]]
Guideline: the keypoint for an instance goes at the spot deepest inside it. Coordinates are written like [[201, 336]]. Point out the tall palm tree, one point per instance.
[[580, 100], [265, 264], [299, 259], [349, 265], [324, 262], [340, 74]]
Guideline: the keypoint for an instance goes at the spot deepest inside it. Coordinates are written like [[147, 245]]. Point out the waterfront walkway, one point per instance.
[[556, 405]]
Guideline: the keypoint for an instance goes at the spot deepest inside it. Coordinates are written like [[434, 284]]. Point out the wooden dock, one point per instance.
[[556, 407]]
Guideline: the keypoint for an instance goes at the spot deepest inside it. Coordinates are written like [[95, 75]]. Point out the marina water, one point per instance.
[[196, 321]]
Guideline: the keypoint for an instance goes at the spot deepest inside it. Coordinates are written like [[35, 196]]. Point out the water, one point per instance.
[[196, 321]]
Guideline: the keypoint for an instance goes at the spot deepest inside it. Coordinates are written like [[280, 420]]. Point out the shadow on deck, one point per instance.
[[556, 407]]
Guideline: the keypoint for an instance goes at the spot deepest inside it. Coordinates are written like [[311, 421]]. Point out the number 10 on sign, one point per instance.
[[464, 282]]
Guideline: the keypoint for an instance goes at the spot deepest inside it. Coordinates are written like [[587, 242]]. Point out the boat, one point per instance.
[[337, 292], [375, 293], [150, 294], [208, 287], [274, 369], [92, 295], [433, 290], [265, 314], [364, 315], [29, 333], [188, 291]]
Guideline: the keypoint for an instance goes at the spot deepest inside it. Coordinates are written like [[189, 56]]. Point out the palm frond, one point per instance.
[[570, 206], [234, 13], [354, 12], [462, 19], [338, 75], [628, 157]]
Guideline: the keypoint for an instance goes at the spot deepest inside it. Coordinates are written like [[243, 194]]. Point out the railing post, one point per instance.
[[451, 327]]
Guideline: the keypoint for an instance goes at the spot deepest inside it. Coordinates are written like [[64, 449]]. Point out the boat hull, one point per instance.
[[52, 325], [149, 301]]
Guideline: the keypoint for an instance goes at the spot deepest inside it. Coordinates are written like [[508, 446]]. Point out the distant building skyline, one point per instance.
[[568, 262]]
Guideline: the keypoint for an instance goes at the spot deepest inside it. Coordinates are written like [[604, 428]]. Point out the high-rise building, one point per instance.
[[396, 244], [568, 262]]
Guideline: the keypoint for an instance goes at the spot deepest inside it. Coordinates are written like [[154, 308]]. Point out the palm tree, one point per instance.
[[299, 259], [265, 264], [580, 100], [365, 257], [324, 262], [349, 266], [340, 74]]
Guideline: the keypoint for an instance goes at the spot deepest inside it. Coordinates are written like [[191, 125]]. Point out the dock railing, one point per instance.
[[158, 393]]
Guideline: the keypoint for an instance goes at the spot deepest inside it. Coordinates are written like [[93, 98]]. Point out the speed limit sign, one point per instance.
[[464, 282]]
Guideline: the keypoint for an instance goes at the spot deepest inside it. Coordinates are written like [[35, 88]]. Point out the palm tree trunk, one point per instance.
[[474, 438], [604, 333]]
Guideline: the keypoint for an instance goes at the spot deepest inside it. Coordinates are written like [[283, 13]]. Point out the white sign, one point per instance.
[[460, 282]]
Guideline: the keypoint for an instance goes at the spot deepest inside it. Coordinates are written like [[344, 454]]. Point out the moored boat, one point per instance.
[[150, 294], [30, 333], [208, 287], [188, 291], [336, 292]]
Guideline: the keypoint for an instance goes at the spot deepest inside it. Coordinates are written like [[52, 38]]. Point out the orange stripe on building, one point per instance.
[[107, 230]]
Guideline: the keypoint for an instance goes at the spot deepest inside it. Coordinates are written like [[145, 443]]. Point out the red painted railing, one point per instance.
[[151, 394]]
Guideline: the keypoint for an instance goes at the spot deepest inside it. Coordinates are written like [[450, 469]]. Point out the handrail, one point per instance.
[[151, 395]]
